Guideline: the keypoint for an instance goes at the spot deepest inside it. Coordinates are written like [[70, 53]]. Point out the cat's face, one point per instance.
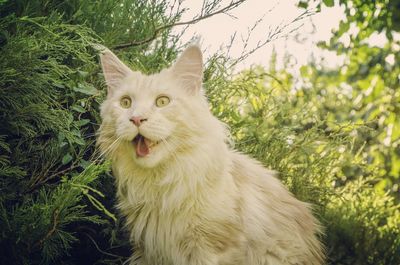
[[153, 118]]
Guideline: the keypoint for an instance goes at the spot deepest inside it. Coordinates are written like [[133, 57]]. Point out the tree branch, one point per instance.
[[157, 31], [50, 232], [280, 31], [43, 179]]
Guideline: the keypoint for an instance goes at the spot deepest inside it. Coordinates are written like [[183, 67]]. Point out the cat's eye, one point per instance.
[[125, 102], [162, 101]]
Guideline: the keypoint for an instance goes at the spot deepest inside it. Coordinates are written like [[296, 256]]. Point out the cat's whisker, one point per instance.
[[110, 149], [167, 145], [173, 155], [157, 128], [94, 161], [170, 149]]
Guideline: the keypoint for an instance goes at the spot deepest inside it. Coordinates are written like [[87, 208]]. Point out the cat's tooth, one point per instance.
[[152, 144]]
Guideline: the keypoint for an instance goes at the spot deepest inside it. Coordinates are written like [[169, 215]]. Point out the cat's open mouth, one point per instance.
[[143, 145]]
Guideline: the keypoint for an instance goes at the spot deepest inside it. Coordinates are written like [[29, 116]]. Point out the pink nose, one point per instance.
[[137, 120]]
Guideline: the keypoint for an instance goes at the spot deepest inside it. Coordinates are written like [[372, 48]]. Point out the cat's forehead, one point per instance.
[[138, 83]]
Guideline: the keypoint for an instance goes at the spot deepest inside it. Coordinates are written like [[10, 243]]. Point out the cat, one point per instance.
[[188, 198]]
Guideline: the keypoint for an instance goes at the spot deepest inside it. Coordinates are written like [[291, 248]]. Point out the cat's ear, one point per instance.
[[113, 69], [189, 69]]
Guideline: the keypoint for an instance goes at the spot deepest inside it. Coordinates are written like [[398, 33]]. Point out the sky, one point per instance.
[[215, 32]]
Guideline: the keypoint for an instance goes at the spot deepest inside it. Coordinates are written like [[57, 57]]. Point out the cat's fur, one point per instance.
[[193, 200]]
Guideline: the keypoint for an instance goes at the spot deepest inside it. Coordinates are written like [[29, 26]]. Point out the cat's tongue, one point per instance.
[[142, 147]]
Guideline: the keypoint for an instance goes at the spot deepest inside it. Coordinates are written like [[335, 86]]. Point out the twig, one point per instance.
[[102, 251], [51, 231], [195, 20], [266, 74], [274, 34], [73, 166], [40, 181]]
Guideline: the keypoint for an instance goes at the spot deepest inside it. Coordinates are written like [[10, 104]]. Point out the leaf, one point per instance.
[[59, 85], [83, 73], [395, 170], [78, 108], [85, 164], [329, 3], [302, 4], [343, 27], [66, 159], [82, 122], [79, 141], [96, 203], [86, 89]]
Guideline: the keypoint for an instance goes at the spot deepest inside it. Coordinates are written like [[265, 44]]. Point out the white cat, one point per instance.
[[188, 198]]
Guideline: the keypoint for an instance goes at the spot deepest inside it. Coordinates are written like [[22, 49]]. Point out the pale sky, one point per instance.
[[216, 31]]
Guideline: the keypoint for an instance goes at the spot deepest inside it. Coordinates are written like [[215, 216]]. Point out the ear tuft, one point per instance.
[[114, 70], [189, 68]]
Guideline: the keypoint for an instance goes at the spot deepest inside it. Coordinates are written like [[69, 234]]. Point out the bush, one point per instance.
[[50, 89]]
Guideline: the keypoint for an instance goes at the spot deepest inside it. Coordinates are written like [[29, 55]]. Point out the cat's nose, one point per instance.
[[137, 120]]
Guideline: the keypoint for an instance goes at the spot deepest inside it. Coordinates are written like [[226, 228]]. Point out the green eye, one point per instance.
[[162, 101], [126, 102]]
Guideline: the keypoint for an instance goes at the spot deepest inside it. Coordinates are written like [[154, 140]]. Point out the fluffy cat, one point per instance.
[[188, 198]]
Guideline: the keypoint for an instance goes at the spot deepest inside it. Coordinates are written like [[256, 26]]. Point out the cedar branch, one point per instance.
[[50, 232]]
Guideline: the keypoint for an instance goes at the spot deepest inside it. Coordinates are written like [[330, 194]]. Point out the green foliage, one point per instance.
[[41, 59], [41, 223], [370, 82], [50, 90], [363, 226]]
